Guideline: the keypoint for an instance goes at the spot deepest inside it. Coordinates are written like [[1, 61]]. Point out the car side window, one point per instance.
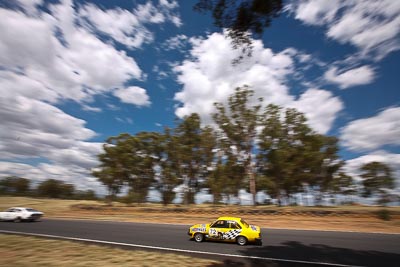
[[220, 224], [10, 210], [234, 225]]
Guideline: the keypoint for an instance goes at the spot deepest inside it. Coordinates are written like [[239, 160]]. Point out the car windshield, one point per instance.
[[244, 223], [32, 210]]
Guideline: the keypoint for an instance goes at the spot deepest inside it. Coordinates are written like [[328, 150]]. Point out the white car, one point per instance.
[[18, 214]]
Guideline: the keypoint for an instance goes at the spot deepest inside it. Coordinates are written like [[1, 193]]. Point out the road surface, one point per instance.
[[280, 247]]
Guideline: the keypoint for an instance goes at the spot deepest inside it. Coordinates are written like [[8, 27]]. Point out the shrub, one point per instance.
[[383, 214]]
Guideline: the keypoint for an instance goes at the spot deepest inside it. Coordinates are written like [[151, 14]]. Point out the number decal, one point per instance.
[[213, 232]]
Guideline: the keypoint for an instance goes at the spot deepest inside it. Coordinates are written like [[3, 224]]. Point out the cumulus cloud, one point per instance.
[[372, 26], [321, 108], [353, 166], [208, 77], [374, 132], [32, 128], [43, 171], [353, 77], [128, 27], [133, 95], [76, 67], [49, 56], [174, 43]]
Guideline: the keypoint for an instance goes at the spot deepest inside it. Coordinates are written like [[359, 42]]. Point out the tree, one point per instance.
[[55, 189], [241, 18], [377, 178], [112, 171], [169, 164], [188, 134], [238, 127], [14, 185], [342, 184], [128, 160], [292, 155]]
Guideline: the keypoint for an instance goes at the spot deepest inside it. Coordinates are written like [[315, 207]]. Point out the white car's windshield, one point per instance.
[[32, 210]]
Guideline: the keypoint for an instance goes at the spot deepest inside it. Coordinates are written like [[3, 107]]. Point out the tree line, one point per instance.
[[50, 188], [251, 146]]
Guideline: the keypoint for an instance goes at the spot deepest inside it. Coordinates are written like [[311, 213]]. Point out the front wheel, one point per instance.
[[17, 220], [198, 237], [241, 240]]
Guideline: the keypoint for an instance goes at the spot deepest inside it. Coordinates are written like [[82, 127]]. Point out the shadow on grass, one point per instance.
[[320, 255]]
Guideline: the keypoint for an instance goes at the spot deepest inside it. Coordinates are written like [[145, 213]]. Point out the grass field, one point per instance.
[[19, 251], [343, 218]]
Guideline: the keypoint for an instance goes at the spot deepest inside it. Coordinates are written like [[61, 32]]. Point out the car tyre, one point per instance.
[[17, 220], [241, 240], [198, 237]]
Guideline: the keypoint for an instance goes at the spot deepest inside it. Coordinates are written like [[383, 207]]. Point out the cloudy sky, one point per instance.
[[73, 73]]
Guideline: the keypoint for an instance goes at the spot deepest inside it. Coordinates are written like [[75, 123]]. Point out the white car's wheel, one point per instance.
[[241, 240], [198, 237], [17, 220]]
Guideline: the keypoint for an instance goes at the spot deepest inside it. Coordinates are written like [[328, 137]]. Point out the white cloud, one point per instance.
[[31, 128], [76, 67], [316, 12], [133, 95], [353, 166], [209, 77], [372, 26], [357, 76], [175, 43], [30, 5], [126, 27], [321, 108], [48, 56], [80, 177], [374, 132]]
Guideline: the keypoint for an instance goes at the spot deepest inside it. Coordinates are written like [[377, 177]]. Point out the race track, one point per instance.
[[280, 247]]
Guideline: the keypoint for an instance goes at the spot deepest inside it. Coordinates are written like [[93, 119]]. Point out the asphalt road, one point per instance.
[[280, 247]]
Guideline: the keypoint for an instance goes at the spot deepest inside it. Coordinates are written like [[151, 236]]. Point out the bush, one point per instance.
[[383, 214]]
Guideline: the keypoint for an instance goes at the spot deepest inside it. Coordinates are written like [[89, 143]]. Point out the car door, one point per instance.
[[234, 230], [8, 214], [218, 229]]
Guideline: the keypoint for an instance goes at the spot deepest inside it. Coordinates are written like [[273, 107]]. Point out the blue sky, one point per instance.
[[76, 72]]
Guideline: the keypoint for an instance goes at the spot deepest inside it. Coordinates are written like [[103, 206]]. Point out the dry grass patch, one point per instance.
[[342, 218], [31, 251]]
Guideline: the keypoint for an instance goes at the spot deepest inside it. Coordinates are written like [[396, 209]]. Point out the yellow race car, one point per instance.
[[229, 229]]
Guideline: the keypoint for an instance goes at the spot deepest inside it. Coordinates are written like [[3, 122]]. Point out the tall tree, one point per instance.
[[145, 151], [127, 160], [238, 126], [291, 155], [113, 171], [188, 133], [241, 18], [169, 167], [377, 178], [55, 189], [14, 185], [342, 184]]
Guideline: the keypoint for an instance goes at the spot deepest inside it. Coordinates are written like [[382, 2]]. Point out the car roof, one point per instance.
[[228, 218]]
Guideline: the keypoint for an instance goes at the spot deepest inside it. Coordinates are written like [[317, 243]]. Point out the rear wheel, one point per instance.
[[17, 220], [241, 240], [198, 237]]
